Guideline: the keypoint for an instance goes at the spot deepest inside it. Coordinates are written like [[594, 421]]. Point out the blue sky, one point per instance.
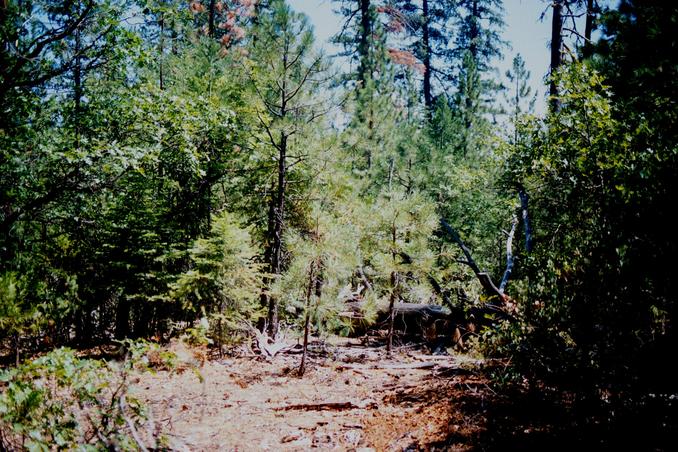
[[524, 31]]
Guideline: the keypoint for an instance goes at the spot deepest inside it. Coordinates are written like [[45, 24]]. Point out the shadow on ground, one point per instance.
[[482, 418]]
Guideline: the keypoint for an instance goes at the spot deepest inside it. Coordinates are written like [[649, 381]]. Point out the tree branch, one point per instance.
[[485, 281]]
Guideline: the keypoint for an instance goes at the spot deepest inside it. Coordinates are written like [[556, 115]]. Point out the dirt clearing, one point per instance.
[[351, 397]]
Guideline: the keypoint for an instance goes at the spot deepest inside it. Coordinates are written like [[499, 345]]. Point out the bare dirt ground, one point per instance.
[[350, 398], [355, 397]]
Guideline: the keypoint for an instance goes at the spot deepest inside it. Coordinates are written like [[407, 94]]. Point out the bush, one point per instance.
[[62, 401]]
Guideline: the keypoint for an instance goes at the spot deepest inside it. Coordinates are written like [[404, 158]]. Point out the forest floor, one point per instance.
[[355, 397], [352, 397]]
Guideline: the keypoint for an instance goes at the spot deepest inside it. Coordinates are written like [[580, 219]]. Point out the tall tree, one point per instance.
[[287, 79], [519, 96], [426, 29], [556, 50], [478, 42], [362, 37], [479, 24]]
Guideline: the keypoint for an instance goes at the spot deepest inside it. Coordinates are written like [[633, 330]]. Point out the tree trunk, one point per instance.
[[391, 312], [77, 86], [556, 54], [365, 67], [307, 320], [279, 210], [524, 199], [210, 20], [161, 50], [428, 98], [394, 294], [276, 258], [268, 251], [588, 30], [509, 256], [475, 31], [17, 349]]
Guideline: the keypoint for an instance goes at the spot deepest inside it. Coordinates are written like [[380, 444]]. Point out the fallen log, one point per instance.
[[423, 310], [412, 319], [332, 406], [396, 366]]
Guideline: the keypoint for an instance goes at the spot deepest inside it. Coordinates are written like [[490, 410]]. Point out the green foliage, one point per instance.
[[14, 315], [519, 97], [479, 24], [224, 281], [149, 176], [62, 401], [395, 246], [325, 258], [594, 302]]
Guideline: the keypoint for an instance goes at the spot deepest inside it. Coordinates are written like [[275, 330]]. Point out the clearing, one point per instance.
[[352, 397]]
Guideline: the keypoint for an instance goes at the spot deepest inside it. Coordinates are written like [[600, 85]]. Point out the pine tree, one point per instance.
[[477, 43], [360, 37], [426, 29], [519, 96], [224, 281], [287, 80], [470, 106], [479, 24]]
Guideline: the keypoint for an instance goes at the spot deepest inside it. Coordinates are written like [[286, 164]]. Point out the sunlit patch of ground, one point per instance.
[[351, 397]]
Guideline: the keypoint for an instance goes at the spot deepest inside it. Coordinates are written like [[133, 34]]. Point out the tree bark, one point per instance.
[[556, 51], [588, 30], [365, 67], [428, 97], [210, 20]]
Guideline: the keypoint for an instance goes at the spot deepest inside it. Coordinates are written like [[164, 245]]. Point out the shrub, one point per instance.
[[62, 401]]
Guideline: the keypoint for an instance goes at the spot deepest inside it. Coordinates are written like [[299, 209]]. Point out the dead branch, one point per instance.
[[268, 347], [130, 424], [509, 256], [332, 406], [485, 281]]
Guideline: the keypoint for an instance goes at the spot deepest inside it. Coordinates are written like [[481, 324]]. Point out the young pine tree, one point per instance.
[[224, 280], [287, 76], [518, 95]]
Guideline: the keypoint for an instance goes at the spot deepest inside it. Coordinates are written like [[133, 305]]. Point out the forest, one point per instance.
[[216, 236]]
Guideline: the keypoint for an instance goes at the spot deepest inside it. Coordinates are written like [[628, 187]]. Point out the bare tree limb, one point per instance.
[[509, 256], [485, 281], [524, 199]]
